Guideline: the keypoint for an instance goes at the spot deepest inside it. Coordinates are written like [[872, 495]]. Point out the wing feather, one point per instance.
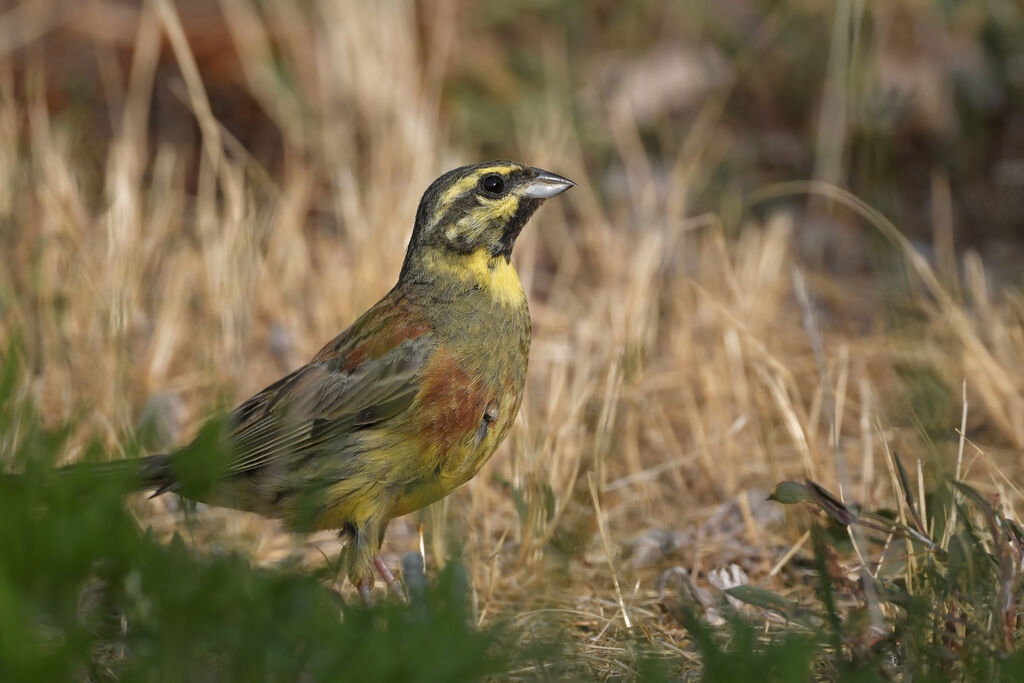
[[323, 401]]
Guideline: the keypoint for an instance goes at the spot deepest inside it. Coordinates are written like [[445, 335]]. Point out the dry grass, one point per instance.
[[673, 369]]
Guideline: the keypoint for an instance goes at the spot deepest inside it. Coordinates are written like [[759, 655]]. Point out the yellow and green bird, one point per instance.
[[409, 402]]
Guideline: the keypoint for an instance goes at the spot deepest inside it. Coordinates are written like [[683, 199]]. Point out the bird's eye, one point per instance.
[[492, 184]]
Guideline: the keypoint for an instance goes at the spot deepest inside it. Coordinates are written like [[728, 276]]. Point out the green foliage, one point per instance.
[[741, 657], [951, 611], [85, 594]]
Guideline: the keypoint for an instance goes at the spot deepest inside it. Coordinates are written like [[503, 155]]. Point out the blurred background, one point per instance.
[[795, 245]]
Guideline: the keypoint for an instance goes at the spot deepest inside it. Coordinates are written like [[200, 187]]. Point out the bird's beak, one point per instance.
[[546, 185]]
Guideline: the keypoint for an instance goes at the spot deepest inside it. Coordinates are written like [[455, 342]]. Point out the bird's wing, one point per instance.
[[369, 374]]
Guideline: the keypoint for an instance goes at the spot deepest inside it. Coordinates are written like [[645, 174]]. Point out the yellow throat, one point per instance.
[[493, 274]]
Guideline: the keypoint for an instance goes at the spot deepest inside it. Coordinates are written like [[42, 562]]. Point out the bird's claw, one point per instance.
[[366, 583], [364, 587], [390, 580]]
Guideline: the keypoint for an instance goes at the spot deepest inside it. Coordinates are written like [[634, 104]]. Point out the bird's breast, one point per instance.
[[471, 392]]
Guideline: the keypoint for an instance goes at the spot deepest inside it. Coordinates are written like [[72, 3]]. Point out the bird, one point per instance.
[[404, 406]]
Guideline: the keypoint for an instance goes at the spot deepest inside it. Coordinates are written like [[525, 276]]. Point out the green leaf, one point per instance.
[[790, 492]]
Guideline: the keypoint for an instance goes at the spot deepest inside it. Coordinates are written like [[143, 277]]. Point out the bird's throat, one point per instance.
[[478, 271]]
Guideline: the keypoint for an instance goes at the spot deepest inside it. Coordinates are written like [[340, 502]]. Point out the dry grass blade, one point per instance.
[[608, 548]]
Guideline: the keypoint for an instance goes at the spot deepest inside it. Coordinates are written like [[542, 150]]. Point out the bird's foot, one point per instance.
[[390, 580], [364, 587], [365, 584]]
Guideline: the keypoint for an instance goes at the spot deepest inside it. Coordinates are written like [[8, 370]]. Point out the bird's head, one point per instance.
[[475, 213]]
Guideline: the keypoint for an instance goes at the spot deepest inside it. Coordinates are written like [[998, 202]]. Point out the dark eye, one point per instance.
[[492, 183]]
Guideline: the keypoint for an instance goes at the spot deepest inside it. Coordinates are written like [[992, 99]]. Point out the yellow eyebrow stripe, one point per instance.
[[469, 181]]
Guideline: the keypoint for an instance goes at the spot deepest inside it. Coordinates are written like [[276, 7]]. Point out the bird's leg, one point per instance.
[[364, 587], [352, 543], [360, 554], [390, 580]]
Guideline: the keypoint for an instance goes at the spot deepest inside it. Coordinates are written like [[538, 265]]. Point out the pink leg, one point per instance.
[[390, 580], [364, 587]]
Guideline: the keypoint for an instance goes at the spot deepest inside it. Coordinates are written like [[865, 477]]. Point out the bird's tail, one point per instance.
[[138, 474]]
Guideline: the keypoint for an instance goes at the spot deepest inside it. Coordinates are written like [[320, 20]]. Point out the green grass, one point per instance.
[[949, 610]]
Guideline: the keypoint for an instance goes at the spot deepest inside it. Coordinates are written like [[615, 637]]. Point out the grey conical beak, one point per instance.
[[546, 185]]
